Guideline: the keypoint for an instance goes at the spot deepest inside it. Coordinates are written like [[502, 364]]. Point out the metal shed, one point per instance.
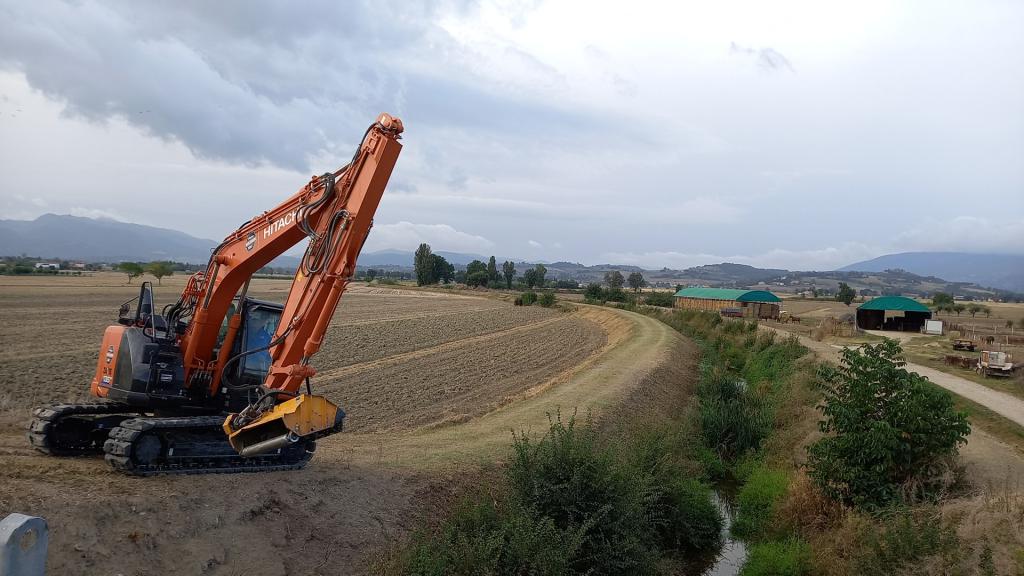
[[746, 303], [897, 313]]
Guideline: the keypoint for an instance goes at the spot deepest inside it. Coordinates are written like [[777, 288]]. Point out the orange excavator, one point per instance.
[[219, 381]]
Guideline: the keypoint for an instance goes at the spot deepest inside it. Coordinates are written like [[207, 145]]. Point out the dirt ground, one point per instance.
[[432, 383]]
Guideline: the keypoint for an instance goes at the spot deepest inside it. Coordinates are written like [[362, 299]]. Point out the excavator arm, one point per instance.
[[335, 212]]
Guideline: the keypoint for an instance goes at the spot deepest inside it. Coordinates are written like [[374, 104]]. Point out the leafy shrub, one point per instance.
[[788, 558], [756, 501], [593, 293], [734, 419], [386, 281], [528, 298], [681, 509], [615, 295], [568, 478], [665, 299], [479, 540], [546, 299], [894, 434]]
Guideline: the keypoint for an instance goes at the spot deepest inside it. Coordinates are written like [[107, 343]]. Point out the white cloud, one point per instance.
[[407, 236], [97, 213], [827, 258], [964, 233], [534, 244]]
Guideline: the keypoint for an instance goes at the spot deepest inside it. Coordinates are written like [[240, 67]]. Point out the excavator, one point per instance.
[[218, 381]]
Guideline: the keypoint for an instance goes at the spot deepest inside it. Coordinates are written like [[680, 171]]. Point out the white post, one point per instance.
[[23, 541]]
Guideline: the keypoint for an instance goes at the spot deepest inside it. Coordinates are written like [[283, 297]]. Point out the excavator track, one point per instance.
[[191, 445], [76, 429]]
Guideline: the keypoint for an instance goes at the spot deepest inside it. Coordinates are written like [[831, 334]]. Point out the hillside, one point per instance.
[[1005, 271], [99, 240]]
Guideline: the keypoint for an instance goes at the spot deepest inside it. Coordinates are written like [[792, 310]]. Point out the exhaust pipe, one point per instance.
[[269, 445]]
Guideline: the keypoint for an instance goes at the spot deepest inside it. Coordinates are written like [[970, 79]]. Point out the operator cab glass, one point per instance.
[[260, 326]]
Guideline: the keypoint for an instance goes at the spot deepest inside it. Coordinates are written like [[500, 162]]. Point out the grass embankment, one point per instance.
[[607, 501], [791, 528]]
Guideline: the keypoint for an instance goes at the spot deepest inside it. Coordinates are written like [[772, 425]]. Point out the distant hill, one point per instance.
[[99, 240], [104, 240], [733, 273], [1005, 271]]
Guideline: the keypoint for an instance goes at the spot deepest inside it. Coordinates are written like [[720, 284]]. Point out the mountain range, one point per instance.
[[104, 240], [1005, 271]]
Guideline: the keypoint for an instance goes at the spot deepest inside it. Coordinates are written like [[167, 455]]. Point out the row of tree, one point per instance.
[[433, 268], [942, 302], [156, 269]]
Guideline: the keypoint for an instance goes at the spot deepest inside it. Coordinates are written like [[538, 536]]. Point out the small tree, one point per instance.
[[541, 271], [614, 279], [973, 308], [476, 273], [530, 277], [508, 269], [492, 272], [958, 308], [940, 300], [423, 264], [891, 433], [132, 269], [845, 294], [593, 292], [636, 281], [159, 270], [370, 274]]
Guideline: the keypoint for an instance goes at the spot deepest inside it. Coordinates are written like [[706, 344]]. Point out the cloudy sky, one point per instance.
[[799, 135]]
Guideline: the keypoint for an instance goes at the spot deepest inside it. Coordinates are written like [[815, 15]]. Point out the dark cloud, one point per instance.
[[245, 82]]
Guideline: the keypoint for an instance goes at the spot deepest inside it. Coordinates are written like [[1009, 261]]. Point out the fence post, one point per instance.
[[23, 541]]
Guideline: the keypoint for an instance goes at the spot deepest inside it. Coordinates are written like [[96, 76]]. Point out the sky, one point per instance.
[[800, 135]]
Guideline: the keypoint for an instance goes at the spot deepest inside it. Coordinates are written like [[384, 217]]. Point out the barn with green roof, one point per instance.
[[893, 313], [730, 302]]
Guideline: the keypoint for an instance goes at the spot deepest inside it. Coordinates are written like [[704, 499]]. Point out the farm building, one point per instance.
[[892, 313], [746, 303]]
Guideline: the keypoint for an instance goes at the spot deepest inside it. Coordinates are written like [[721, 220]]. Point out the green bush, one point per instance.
[[756, 500], [593, 293], [664, 299], [788, 558], [386, 281], [479, 540], [681, 509], [546, 299], [528, 298], [569, 478], [734, 419], [615, 295], [892, 435]]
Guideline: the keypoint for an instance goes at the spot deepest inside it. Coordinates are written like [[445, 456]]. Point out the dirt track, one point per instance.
[[421, 414]]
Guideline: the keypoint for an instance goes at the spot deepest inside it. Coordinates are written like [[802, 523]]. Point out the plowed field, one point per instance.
[[432, 383]]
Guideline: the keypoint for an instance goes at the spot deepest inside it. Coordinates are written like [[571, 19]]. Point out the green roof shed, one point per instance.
[[728, 294], [894, 303]]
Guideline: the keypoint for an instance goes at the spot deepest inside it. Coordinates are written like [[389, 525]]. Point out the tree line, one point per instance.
[[430, 268]]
